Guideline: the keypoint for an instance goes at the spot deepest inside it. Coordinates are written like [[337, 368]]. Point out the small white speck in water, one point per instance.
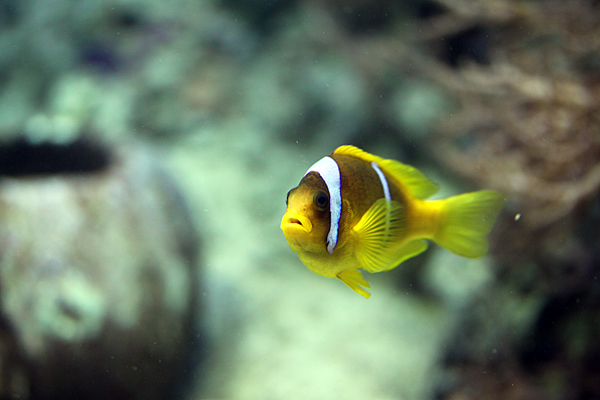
[[517, 216]]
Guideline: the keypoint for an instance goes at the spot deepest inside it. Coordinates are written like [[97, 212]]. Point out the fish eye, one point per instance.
[[321, 200]]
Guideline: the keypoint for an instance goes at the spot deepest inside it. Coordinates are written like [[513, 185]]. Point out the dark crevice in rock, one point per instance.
[[21, 158]]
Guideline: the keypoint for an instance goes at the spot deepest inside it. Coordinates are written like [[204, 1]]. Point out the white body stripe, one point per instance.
[[330, 173], [386, 193], [384, 182]]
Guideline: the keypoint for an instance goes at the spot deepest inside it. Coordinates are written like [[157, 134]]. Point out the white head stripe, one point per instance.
[[330, 173], [384, 182]]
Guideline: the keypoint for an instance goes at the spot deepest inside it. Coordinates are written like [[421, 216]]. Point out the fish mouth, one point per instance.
[[294, 222]]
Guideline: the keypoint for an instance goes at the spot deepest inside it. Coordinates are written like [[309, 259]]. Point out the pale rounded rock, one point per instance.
[[98, 273]]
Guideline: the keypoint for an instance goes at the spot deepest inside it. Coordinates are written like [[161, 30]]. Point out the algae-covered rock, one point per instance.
[[98, 278]]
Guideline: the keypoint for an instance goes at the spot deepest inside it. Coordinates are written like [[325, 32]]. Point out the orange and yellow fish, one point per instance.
[[355, 210]]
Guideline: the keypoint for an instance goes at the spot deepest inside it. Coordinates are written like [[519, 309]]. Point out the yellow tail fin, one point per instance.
[[466, 220]]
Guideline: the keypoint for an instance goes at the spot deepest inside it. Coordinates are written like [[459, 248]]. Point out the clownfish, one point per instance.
[[353, 210]]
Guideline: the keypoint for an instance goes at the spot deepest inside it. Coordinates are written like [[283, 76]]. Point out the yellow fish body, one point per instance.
[[355, 210]]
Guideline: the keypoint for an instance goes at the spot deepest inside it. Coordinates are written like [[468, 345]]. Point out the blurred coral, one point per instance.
[[528, 124]]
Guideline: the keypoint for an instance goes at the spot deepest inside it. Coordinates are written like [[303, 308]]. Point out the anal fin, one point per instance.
[[403, 253]]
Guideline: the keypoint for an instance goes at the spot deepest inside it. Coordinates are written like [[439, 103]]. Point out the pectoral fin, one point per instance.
[[376, 233], [353, 278]]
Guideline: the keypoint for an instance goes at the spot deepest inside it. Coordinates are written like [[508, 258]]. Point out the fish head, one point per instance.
[[307, 218]]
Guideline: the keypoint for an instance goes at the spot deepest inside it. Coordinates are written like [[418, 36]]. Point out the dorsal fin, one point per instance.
[[354, 151], [407, 176]]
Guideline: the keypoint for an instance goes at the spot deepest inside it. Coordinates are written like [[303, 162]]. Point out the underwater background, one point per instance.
[[146, 149]]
